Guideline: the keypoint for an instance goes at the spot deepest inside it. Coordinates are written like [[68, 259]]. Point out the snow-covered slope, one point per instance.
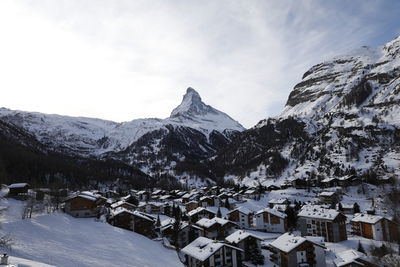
[[89, 136], [366, 77], [61, 240], [342, 118]]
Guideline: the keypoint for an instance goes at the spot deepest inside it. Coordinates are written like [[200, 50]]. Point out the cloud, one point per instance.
[[122, 60]]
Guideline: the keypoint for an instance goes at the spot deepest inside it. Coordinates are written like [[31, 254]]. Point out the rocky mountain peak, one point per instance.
[[192, 105]]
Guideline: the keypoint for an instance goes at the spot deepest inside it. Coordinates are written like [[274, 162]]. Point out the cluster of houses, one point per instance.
[[215, 227]]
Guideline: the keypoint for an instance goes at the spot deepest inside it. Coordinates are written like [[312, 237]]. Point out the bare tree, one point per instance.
[[6, 241], [28, 209]]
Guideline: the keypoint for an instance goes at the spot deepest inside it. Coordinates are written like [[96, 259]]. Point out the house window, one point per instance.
[[313, 222]]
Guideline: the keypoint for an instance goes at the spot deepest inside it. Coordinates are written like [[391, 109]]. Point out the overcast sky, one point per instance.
[[122, 60]]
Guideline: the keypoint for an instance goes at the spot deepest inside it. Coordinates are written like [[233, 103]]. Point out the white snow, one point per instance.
[[61, 240]]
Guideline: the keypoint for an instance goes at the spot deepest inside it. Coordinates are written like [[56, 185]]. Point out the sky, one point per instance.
[[128, 59]]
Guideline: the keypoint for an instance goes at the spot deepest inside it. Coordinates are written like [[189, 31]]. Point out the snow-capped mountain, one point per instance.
[[342, 118], [193, 129]]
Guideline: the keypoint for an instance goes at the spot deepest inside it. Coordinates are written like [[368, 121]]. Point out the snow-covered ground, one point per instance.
[[61, 240]]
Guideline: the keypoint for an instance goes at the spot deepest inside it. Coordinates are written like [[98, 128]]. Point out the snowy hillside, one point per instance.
[[341, 119], [61, 240]]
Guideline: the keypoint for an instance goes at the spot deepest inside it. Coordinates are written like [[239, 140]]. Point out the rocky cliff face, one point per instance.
[[342, 118]]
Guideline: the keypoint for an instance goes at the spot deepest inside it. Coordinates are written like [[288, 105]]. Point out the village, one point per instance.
[[286, 225]]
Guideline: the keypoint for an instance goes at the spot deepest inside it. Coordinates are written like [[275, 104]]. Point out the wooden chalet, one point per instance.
[[18, 189], [138, 222], [291, 250], [375, 227], [241, 216], [244, 240], [207, 252], [84, 204], [270, 220], [216, 228], [199, 213]]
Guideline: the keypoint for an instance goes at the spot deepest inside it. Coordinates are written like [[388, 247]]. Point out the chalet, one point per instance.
[[186, 197], [84, 204], [241, 216], [165, 198], [293, 251], [348, 180], [244, 240], [191, 205], [271, 220], [207, 252], [110, 194], [215, 190], [216, 228], [280, 202], [330, 182], [237, 197], [353, 258], [328, 197], [143, 195], [251, 193], [315, 220], [187, 233], [273, 187], [374, 227], [199, 213], [300, 183], [135, 221], [208, 201], [346, 208], [18, 190], [224, 196], [123, 204]]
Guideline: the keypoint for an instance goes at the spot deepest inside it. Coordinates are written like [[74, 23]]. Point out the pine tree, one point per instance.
[[227, 205], [256, 257], [340, 207], [291, 217], [219, 214], [158, 223], [360, 247], [356, 208]]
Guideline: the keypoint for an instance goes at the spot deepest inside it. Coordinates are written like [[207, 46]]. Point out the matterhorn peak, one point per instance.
[[191, 105]]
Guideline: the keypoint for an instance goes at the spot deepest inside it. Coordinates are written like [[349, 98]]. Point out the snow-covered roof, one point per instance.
[[119, 203], [202, 248], [278, 201], [348, 256], [318, 212], [366, 218], [207, 223], [134, 213], [240, 235], [18, 185], [326, 194], [274, 212], [287, 242], [242, 209], [195, 211], [86, 195], [327, 180]]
